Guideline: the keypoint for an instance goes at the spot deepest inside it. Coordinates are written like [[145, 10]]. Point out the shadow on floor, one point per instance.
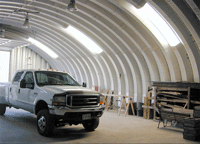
[[23, 124]]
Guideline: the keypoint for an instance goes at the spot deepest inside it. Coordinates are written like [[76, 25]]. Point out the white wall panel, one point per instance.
[[25, 58]]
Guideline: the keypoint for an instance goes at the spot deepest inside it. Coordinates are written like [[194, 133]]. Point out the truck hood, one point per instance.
[[62, 89]]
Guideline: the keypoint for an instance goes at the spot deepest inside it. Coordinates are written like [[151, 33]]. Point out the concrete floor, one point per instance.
[[18, 126]]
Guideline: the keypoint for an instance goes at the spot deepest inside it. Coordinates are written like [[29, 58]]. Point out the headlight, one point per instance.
[[59, 100], [101, 99]]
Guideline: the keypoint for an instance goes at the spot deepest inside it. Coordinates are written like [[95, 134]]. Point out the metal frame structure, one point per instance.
[[131, 57]]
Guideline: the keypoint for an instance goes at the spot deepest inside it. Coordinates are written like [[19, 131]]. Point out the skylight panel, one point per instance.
[[43, 47], [149, 13], [83, 39], [154, 21]]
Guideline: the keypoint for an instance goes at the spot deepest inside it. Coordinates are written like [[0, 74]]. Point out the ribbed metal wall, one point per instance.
[[25, 58]]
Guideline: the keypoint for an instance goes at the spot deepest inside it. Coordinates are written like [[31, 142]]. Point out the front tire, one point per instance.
[[45, 123], [2, 109], [91, 124]]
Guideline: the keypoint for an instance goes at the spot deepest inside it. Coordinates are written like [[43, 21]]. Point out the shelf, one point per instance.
[[175, 101], [178, 95]]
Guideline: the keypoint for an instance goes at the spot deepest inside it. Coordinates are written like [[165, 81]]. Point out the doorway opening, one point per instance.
[[4, 66]]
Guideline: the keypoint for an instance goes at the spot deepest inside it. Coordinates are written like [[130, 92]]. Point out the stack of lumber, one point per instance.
[[191, 129], [177, 101]]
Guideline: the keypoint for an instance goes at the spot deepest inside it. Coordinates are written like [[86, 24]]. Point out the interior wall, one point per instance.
[[25, 58], [132, 55]]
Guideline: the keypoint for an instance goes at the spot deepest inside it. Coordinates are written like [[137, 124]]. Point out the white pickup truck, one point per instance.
[[55, 97]]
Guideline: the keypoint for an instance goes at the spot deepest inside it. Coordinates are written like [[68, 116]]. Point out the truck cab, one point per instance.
[[55, 97]]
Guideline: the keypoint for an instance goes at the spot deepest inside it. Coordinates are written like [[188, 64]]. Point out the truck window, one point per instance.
[[41, 78], [18, 76], [29, 78], [54, 78]]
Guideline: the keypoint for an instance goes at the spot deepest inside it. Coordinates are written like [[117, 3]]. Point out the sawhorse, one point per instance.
[[126, 106], [130, 102]]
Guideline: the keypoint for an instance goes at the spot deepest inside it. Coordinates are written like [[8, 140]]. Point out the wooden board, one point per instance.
[[147, 102]]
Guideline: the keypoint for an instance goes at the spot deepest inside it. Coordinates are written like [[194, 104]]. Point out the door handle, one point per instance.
[[18, 91], [10, 89]]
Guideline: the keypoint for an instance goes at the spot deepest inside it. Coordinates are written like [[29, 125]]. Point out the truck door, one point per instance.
[[26, 89], [13, 94]]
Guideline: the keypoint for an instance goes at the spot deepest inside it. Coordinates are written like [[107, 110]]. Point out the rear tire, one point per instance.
[[2, 109], [45, 123], [91, 124]]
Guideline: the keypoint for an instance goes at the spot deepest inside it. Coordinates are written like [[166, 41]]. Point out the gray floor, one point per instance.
[[18, 126]]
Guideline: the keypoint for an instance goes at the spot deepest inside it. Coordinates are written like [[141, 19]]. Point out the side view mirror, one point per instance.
[[23, 83], [84, 84]]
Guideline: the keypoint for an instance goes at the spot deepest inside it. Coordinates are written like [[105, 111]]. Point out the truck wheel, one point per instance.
[[45, 123], [2, 109], [91, 125]]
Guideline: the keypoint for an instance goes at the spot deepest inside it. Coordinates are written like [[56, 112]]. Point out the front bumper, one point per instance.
[[61, 111]]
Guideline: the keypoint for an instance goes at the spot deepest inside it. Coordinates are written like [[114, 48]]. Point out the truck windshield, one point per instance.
[[54, 78]]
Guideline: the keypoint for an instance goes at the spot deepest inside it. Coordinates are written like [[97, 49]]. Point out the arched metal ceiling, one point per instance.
[[132, 56]]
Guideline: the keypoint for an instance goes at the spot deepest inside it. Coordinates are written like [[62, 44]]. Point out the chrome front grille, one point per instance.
[[83, 100]]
